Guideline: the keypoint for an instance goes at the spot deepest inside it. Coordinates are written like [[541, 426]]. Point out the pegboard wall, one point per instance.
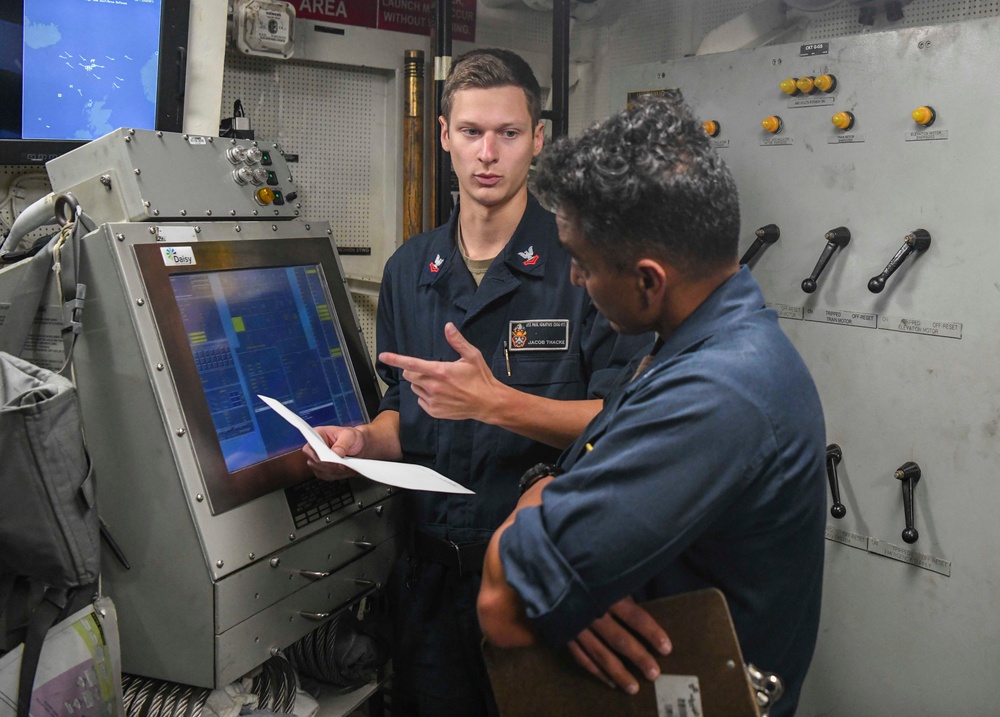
[[843, 20], [19, 187], [902, 370], [326, 115]]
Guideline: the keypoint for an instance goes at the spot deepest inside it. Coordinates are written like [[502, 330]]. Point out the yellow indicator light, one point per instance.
[[806, 85], [924, 116], [772, 124], [826, 83], [264, 195], [788, 86], [843, 120], [712, 128]]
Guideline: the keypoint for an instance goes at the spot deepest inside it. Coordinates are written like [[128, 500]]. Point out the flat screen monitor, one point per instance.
[[74, 70], [238, 319]]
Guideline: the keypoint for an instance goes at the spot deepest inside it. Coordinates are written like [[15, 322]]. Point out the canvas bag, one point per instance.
[[49, 526]]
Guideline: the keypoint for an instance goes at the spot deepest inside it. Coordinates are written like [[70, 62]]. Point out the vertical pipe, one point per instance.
[[413, 144], [560, 68], [442, 64]]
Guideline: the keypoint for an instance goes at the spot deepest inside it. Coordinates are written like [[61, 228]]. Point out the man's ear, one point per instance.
[[444, 133], [652, 278]]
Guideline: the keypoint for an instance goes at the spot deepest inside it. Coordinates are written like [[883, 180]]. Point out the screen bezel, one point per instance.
[[171, 71], [229, 490]]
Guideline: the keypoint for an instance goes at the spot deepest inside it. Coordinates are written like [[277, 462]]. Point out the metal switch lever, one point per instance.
[[833, 456], [909, 474], [314, 574], [835, 238], [767, 234], [918, 240]]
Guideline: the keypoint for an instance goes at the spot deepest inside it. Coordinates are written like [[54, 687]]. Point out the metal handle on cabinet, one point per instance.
[[835, 239], [833, 456], [916, 241], [767, 234], [315, 616], [909, 474], [314, 574]]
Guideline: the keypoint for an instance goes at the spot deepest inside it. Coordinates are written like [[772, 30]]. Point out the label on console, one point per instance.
[[844, 318], [908, 555], [926, 134], [785, 311], [947, 329], [850, 138]]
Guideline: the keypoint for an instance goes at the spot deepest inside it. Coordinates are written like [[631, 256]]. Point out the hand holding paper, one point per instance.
[[399, 475]]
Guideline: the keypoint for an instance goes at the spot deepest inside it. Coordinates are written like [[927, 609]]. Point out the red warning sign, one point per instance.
[[413, 16]]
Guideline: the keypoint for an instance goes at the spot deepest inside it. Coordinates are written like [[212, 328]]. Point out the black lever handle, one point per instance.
[[918, 240], [835, 239], [833, 456], [767, 234], [909, 474]]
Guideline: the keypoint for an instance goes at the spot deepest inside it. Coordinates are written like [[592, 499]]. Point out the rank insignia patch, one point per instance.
[[529, 256], [436, 264]]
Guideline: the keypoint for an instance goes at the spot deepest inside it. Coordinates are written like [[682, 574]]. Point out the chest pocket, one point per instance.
[[557, 376]]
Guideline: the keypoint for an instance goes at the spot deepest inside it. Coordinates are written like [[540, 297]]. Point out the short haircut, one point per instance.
[[647, 181], [489, 68]]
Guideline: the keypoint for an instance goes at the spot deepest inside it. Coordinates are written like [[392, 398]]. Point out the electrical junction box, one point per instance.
[[264, 28]]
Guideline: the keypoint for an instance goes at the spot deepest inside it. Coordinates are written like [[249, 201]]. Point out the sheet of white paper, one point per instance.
[[398, 475]]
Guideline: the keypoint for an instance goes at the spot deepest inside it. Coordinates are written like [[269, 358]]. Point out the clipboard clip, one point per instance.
[[767, 687]]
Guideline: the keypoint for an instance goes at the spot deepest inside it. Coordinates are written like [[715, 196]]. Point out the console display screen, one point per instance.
[[242, 318], [265, 331]]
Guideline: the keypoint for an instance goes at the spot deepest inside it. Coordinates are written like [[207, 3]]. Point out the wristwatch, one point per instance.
[[535, 474]]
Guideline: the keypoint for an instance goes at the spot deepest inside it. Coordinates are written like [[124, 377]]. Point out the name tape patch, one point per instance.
[[539, 335]]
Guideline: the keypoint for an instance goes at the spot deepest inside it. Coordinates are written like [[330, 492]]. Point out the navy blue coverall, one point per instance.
[[539, 334]]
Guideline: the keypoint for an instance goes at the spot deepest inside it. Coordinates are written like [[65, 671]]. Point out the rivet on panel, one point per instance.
[[140, 302], [199, 497], [160, 367], [219, 563], [180, 431], [120, 237]]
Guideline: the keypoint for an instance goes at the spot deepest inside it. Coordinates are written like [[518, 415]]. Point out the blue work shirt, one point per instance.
[[705, 471], [526, 312]]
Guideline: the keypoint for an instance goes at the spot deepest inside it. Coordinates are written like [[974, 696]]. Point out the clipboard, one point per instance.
[[704, 675]]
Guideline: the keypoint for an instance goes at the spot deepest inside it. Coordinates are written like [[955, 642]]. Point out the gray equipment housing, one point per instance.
[[211, 594]]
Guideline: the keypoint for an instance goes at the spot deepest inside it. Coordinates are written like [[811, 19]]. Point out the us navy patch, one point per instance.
[[539, 335]]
